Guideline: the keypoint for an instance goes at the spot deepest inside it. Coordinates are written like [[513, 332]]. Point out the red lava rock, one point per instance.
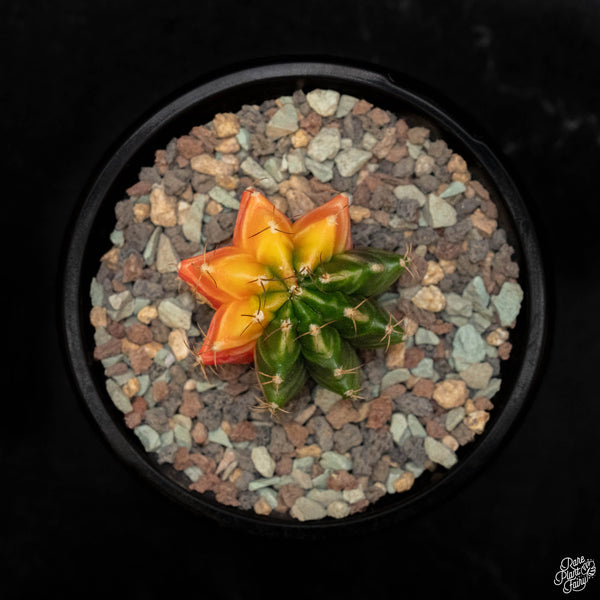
[[189, 146], [205, 483], [139, 359], [423, 388], [235, 388], [133, 267], [182, 459], [110, 348], [342, 480], [380, 412], [289, 493], [311, 123], [140, 188], [227, 493], [199, 433], [483, 403], [191, 404], [133, 419], [296, 433], [244, 431], [435, 429], [116, 369], [205, 463], [441, 328], [402, 130], [160, 390], [394, 391], [342, 412], [504, 350], [362, 107], [230, 372], [413, 356], [139, 334], [379, 116], [284, 465], [359, 506]]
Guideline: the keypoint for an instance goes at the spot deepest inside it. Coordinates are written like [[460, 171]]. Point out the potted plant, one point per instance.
[[356, 262]]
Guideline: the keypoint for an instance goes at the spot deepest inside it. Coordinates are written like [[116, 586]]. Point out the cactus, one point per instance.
[[295, 298]]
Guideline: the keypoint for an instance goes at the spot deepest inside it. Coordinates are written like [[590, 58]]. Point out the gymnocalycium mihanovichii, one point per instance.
[[295, 298]]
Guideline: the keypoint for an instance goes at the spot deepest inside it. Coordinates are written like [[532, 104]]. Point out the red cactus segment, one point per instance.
[[236, 326], [226, 274], [265, 233], [321, 233]]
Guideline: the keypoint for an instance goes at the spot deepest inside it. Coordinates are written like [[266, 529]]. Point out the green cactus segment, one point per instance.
[[364, 271], [278, 360], [357, 318], [316, 331]]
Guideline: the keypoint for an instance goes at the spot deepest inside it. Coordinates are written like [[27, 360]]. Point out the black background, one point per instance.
[[74, 76]]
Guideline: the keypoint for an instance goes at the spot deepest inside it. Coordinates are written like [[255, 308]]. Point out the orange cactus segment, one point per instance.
[[236, 326], [321, 233], [264, 232], [226, 274]]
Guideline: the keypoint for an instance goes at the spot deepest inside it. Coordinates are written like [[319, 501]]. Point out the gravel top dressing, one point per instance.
[[327, 456]]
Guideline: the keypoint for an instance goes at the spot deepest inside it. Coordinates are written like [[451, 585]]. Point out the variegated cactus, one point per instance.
[[295, 298]]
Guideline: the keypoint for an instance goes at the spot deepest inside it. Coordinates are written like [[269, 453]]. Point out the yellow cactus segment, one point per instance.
[[320, 234], [265, 233]]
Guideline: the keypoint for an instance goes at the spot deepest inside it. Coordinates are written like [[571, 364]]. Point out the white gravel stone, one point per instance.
[[263, 461], [305, 509], [351, 161], [323, 102], [118, 397], [440, 453], [338, 509], [173, 315], [283, 122], [148, 436], [325, 145], [261, 177], [438, 213]]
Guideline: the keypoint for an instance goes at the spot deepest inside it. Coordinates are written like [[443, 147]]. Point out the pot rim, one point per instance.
[[290, 74]]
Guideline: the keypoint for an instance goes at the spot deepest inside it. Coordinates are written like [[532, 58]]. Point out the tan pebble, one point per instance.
[[363, 411], [98, 317], [397, 152], [141, 212], [462, 177], [179, 344], [227, 182], [235, 474], [410, 327], [429, 298], [448, 266], [469, 406], [450, 393], [225, 125], [312, 450], [163, 208], [209, 165], [450, 441], [111, 258], [497, 337], [483, 223], [199, 433], [132, 387], [229, 145], [434, 273], [151, 348], [127, 346], [359, 213], [476, 420], [262, 507], [361, 107], [404, 482], [394, 358], [213, 208], [226, 427], [187, 194], [182, 211], [147, 314], [300, 138], [457, 164], [189, 385]]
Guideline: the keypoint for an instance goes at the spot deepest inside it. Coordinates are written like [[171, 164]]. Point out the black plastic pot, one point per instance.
[[227, 92]]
